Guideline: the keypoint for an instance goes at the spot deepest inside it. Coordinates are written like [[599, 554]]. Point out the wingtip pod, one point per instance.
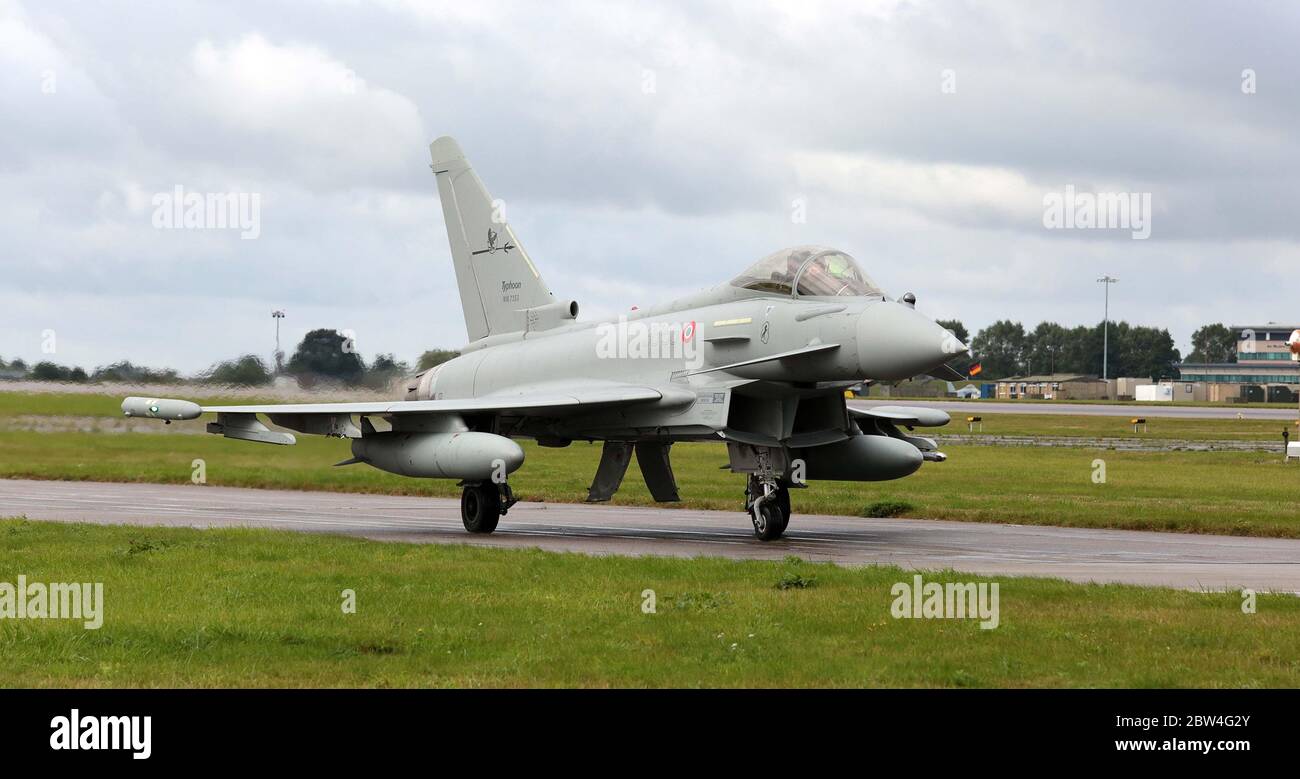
[[161, 408]]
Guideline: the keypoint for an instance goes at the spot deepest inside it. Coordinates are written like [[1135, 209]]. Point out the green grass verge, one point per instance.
[[216, 608], [1136, 404], [1084, 426], [1224, 492]]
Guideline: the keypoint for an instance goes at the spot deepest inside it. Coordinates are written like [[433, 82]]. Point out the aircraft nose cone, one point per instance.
[[896, 342]]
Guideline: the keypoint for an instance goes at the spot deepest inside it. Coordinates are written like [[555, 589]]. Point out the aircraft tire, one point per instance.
[[480, 508], [783, 502], [767, 521]]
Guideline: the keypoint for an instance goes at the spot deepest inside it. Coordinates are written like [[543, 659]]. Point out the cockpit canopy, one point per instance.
[[813, 271]]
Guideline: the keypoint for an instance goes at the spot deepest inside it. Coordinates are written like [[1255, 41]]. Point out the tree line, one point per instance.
[[323, 355], [1006, 349]]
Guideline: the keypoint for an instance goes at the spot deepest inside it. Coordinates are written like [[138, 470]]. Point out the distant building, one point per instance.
[[1263, 359], [1127, 388], [1057, 386]]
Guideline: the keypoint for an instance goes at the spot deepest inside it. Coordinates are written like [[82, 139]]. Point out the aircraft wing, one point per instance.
[[335, 419], [523, 403]]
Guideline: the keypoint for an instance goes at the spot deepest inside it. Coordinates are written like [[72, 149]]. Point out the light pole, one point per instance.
[[1105, 342], [279, 355]]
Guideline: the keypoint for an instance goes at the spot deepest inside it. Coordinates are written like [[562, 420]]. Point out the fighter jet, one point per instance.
[[759, 363]]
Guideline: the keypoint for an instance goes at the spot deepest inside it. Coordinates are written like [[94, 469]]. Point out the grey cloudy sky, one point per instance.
[[643, 150]]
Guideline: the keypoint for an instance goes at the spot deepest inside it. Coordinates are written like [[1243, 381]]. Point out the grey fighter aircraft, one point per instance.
[[759, 363]]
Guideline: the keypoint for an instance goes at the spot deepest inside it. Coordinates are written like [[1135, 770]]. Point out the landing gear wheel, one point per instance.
[[480, 507], [782, 501], [772, 516], [769, 523]]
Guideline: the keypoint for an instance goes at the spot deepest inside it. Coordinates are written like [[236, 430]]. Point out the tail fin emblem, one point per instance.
[[492, 247]]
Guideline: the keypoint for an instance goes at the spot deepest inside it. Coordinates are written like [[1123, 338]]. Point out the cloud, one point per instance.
[[46, 96], [976, 195], [644, 150], [306, 107]]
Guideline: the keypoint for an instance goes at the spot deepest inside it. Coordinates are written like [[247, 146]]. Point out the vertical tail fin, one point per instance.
[[497, 280]]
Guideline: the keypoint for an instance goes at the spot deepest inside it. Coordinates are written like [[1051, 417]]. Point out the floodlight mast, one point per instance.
[[277, 315], [1105, 343]]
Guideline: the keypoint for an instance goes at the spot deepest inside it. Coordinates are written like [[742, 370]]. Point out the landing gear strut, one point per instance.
[[768, 504], [483, 504]]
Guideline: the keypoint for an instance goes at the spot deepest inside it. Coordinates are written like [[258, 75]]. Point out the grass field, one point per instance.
[[262, 608], [204, 608], [1223, 492], [1084, 426], [1135, 404]]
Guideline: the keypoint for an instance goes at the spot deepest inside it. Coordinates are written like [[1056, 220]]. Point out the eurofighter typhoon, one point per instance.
[[760, 363]]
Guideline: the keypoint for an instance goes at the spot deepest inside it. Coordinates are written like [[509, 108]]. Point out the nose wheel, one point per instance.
[[768, 507]]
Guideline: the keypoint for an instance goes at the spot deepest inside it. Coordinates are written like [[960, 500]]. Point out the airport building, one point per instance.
[[1264, 370], [1056, 386]]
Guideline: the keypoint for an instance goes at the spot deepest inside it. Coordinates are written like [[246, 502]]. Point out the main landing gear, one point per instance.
[[768, 504], [482, 505]]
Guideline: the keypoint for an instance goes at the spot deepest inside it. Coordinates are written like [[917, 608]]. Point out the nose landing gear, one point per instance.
[[768, 504]]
